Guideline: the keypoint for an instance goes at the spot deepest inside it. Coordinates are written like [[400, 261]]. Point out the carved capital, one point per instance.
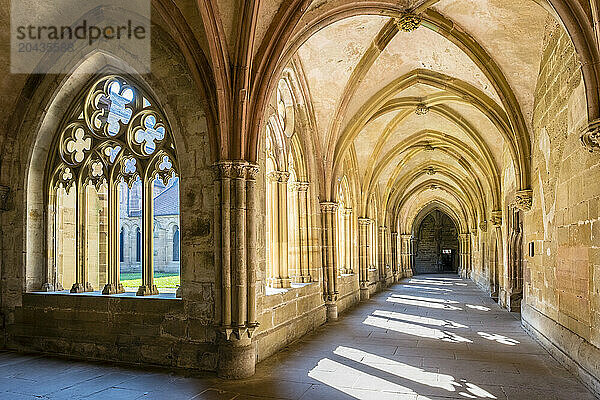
[[590, 136], [329, 207], [222, 169], [238, 169], [348, 211], [4, 192], [524, 199], [483, 226], [302, 186], [279, 176], [496, 218], [364, 221], [252, 171], [408, 22]]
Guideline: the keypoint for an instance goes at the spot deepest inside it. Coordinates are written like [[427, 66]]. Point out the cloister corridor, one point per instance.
[[429, 337]]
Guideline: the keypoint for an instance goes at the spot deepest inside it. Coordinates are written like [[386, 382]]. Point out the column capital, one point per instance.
[[496, 218], [329, 207], [302, 186], [279, 176], [364, 221], [4, 192], [483, 226], [524, 199], [252, 171], [347, 211], [382, 228], [394, 234], [590, 136], [406, 236]]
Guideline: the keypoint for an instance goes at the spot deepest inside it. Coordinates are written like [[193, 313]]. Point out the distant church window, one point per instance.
[[115, 156], [176, 244]]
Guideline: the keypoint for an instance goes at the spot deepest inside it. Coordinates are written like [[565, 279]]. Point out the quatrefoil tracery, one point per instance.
[[114, 135]]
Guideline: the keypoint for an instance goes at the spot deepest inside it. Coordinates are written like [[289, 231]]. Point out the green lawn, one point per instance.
[[161, 280]]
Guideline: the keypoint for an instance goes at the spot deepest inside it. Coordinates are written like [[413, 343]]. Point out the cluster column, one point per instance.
[[330, 273], [235, 240], [405, 245], [465, 255], [395, 271], [363, 249], [382, 257]]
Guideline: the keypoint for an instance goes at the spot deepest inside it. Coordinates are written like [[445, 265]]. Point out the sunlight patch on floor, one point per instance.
[[499, 338], [415, 374], [429, 288], [421, 303], [418, 319], [358, 384], [415, 330], [480, 308]]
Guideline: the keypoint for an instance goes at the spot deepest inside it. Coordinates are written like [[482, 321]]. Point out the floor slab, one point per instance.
[[427, 338]]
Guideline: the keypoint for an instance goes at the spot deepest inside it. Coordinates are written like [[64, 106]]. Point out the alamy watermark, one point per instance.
[[56, 35]]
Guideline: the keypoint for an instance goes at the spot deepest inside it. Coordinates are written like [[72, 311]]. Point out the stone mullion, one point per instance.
[[348, 240], [363, 242], [303, 216], [281, 277], [148, 287], [81, 273], [113, 284], [52, 283], [328, 215], [295, 255]]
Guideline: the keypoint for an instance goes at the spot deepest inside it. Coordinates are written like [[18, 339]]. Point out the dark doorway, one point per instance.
[[436, 245]]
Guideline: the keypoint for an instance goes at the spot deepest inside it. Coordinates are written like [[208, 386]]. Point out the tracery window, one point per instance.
[[113, 159]]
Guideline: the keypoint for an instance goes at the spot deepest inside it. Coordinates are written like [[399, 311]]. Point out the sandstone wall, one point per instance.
[[561, 280]]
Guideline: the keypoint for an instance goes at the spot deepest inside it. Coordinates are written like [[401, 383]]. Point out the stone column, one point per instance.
[[348, 244], [113, 284], [330, 273], [294, 233], [303, 215], [281, 278], [405, 256], [363, 249], [236, 259], [465, 255], [395, 256], [412, 255], [382, 267]]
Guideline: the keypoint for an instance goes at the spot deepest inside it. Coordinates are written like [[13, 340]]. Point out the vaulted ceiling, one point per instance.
[[434, 113]]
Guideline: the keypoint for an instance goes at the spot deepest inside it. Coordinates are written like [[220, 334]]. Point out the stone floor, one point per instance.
[[432, 337]]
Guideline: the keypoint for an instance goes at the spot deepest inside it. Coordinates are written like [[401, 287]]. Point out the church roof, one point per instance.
[[167, 203]]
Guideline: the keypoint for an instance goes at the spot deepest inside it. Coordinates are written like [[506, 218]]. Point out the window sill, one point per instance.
[[269, 291], [164, 295]]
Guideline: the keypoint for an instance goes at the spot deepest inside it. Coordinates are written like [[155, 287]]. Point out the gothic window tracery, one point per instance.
[[113, 151]]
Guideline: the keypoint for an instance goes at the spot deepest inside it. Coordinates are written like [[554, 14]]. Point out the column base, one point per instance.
[[332, 311], [301, 279], [237, 359], [364, 293], [147, 290], [280, 283], [112, 288], [47, 287], [81, 288]]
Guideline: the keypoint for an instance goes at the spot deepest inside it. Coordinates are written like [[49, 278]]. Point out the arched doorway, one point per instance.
[[436, 245]]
